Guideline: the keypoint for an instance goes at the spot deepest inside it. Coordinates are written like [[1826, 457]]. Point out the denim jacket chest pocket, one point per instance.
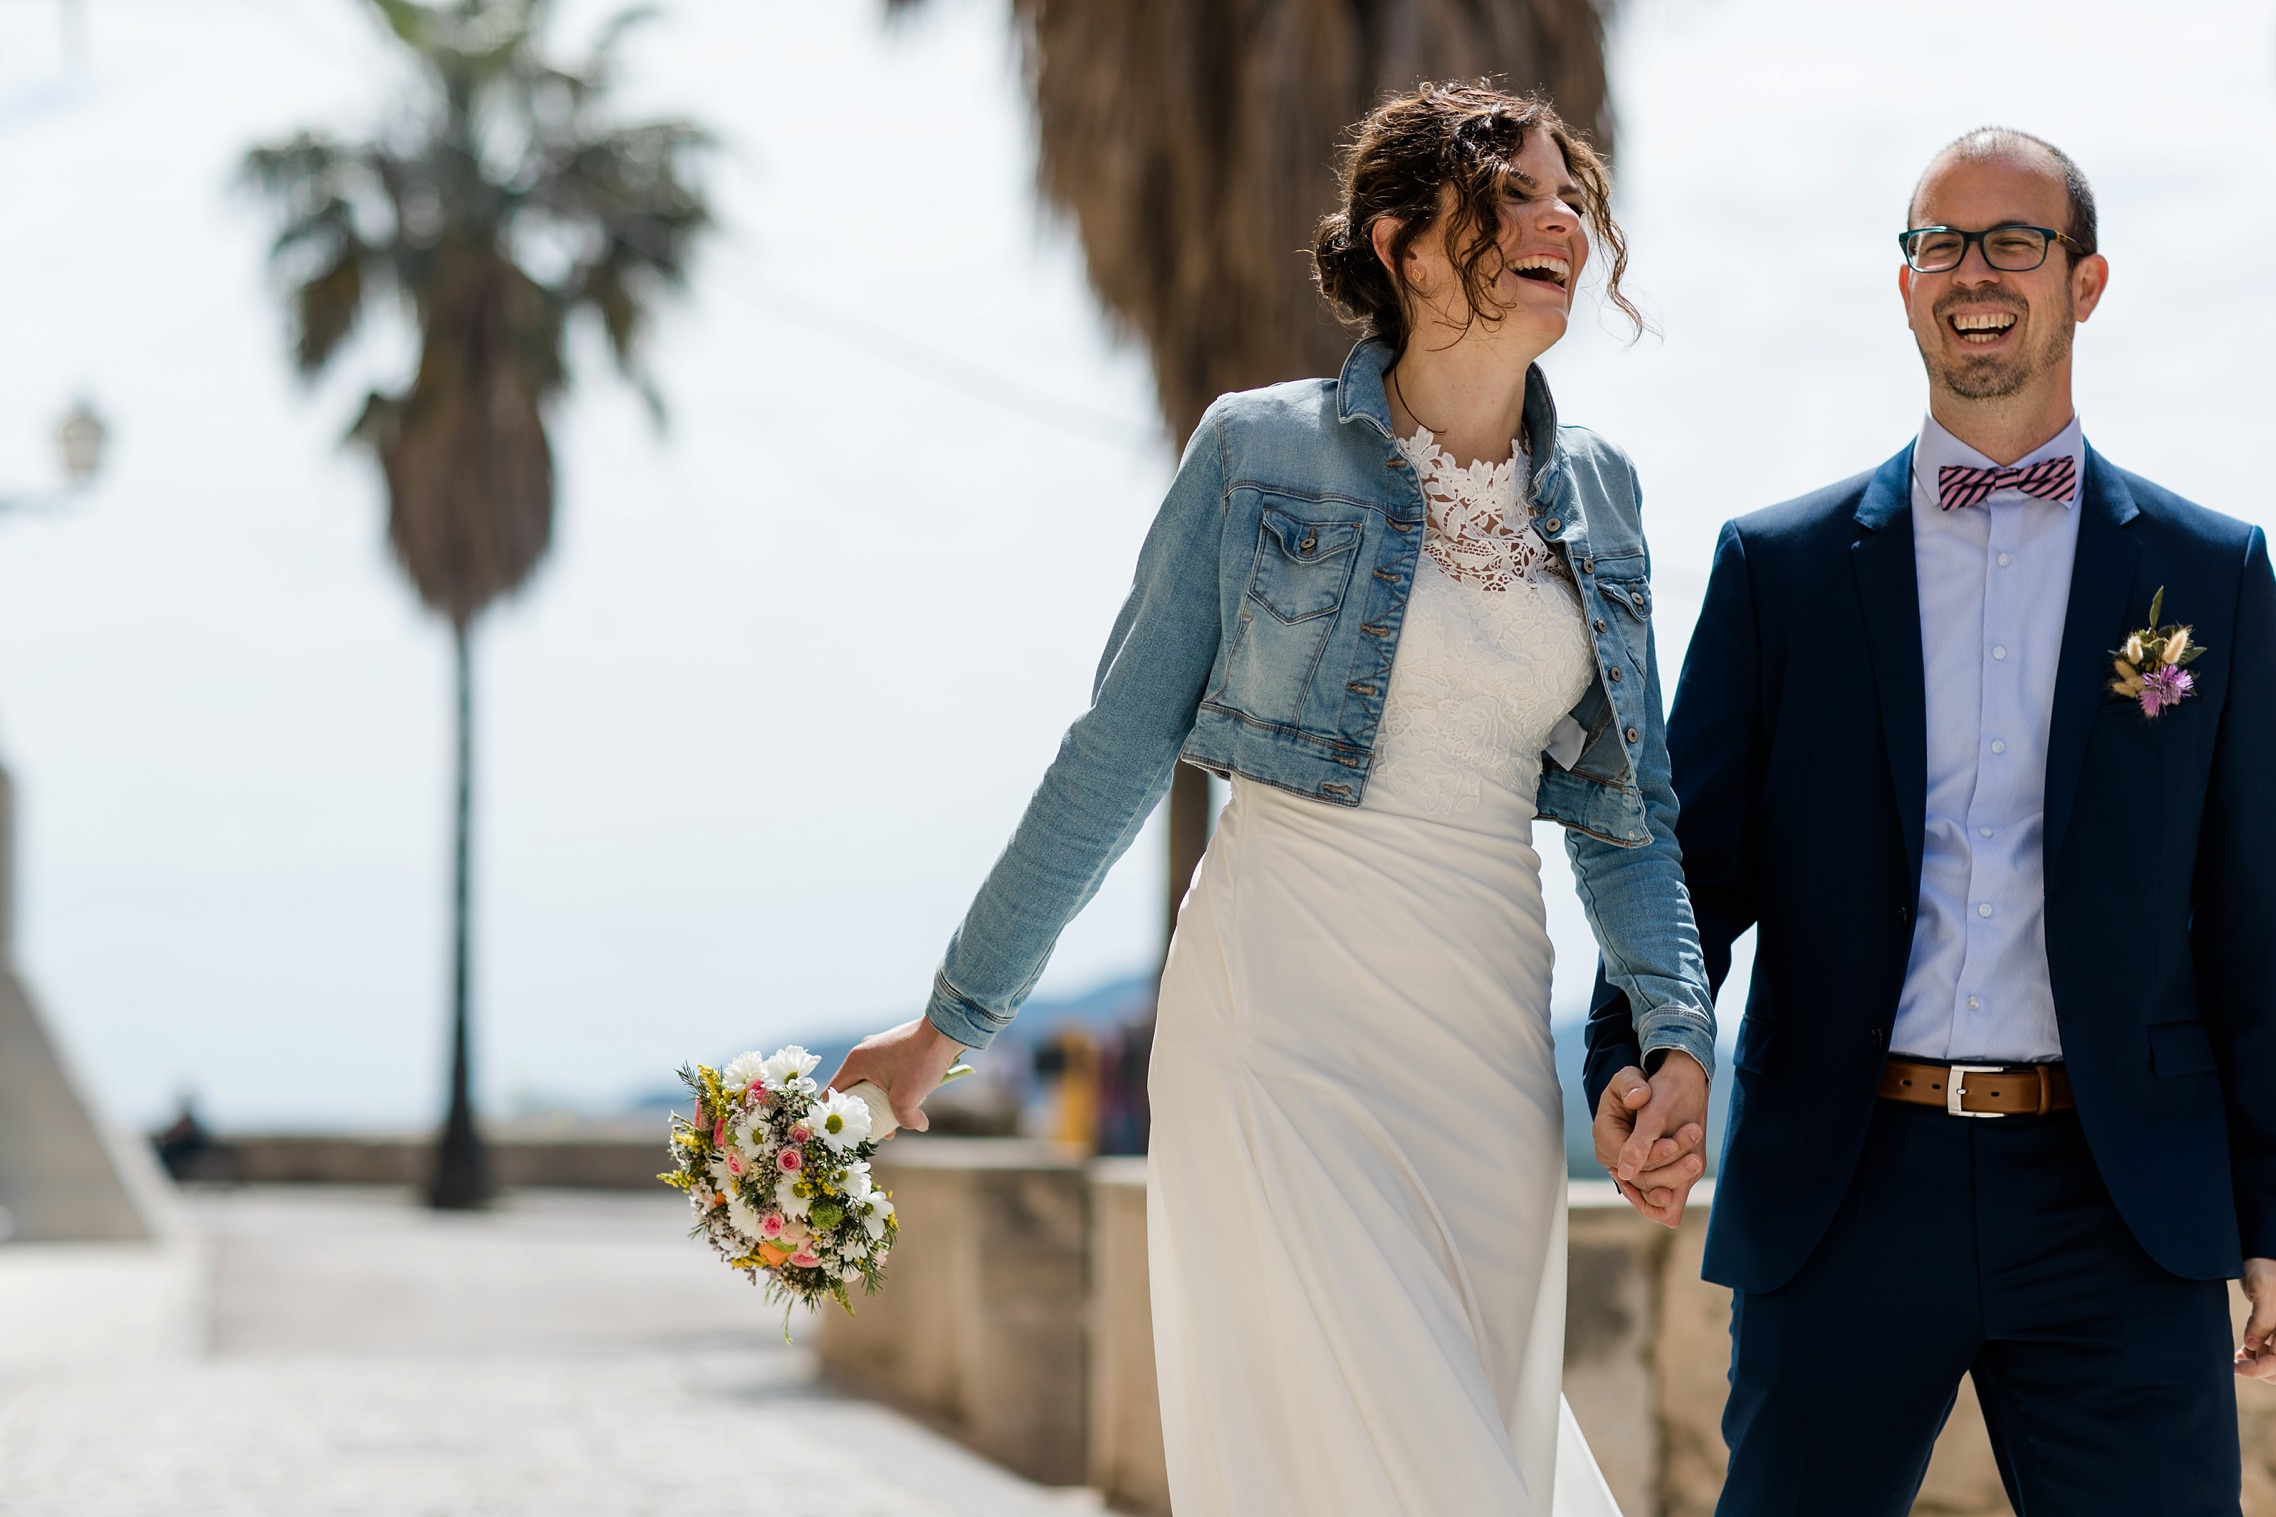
[[1303, 566], [1299, 579]]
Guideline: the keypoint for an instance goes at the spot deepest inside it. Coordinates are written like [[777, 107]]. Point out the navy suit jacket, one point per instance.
[[1799, 745]]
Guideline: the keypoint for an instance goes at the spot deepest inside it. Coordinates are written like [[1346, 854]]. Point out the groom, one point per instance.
[[2002, 1103]]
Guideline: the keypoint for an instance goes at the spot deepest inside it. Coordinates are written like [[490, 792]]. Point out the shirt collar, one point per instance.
[[1938, 447]]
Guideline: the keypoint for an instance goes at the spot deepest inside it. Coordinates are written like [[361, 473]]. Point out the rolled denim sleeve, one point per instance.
[[1113, 765], [1640, 911]]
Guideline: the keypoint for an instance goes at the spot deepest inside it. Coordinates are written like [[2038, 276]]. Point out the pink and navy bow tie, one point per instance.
[[2048, 479]]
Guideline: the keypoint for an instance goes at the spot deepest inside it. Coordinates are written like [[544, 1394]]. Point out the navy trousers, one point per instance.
[[1986, 1248]]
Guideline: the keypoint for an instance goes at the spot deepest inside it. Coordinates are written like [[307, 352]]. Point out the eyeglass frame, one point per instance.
[[1976, 240]]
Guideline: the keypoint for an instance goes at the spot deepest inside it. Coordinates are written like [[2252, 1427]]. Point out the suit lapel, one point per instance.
[[2102, 586], [1888, 587]]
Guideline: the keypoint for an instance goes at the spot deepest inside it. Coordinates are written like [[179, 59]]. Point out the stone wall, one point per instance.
[[982, 1330], [601, 1161]]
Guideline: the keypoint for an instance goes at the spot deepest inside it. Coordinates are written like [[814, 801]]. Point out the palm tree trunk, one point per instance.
[[1189, 836], [462, 1164]]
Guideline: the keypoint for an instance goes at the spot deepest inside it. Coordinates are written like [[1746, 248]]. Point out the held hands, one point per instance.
[[2256, 1358], [907, 1062], [1648, 1134]]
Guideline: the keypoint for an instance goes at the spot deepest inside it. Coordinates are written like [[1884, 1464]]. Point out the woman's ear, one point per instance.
[[1383, 235]]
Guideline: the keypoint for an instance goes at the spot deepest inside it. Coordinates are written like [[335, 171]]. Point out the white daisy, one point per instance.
[[841, 1120], [746, 1219], [787, 1065], [792, 1203], [857, 1183], [750, 1141], [742, 1070], [875, 1210]]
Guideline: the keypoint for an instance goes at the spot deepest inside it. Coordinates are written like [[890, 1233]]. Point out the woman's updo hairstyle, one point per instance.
[[1466, 135]]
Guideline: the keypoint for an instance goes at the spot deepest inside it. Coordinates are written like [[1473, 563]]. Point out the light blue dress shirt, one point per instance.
[[1995, 584]]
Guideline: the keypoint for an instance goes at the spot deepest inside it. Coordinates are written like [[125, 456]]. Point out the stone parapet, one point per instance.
[[1126, 1416], [981, 1330], [598, 1162]]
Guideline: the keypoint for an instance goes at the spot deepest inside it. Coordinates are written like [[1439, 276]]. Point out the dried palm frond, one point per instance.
[[1193, 142]]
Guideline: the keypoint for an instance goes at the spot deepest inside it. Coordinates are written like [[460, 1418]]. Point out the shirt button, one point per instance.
[[1984, 910], [1998, 746], [2004, 560], [1975, 1003], [1983, 832], [1999, 652]]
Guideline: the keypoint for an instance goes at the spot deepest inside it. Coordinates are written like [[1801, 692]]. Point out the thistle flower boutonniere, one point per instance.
[[2150, 668]]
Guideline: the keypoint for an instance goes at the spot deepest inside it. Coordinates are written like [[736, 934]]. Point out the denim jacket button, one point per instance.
[[1634, 736], [1600, 624], [1553, 525], [1614, 674]]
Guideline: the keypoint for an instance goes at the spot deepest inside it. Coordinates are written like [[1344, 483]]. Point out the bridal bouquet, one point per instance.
[[777, 1170]]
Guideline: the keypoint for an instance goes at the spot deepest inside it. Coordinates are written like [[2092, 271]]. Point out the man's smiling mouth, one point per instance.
[[1543, 268], [1982, 328]]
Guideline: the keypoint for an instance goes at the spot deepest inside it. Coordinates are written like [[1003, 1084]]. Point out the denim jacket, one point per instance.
[[1258, 641]]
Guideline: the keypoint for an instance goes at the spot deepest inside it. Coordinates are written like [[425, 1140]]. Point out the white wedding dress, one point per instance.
[[1356, 1189]]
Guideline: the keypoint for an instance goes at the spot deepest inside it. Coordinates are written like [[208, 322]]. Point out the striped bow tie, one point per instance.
[[2048, 479]]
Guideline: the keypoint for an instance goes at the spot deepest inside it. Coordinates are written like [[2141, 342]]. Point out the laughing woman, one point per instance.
[[1408, 614]]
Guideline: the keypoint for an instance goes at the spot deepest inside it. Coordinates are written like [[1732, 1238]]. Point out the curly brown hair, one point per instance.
[[1402, 154]]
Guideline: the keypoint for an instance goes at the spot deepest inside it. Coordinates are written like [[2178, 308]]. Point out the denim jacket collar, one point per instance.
[[1360, 396]]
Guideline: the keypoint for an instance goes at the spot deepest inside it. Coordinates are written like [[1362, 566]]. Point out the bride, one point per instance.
[[1408, 614]]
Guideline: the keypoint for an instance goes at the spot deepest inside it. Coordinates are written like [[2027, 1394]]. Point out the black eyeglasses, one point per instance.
[[2013, 249]]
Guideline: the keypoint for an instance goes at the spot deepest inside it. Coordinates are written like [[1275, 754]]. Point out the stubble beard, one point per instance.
[[1998, 378]]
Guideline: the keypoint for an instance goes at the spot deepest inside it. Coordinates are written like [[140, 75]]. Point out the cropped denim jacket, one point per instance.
[[1258, 640]]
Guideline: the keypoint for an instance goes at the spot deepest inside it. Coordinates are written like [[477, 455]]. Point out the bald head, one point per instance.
[[1988, 144]]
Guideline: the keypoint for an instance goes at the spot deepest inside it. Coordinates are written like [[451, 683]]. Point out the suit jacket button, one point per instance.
[[1904, 913]]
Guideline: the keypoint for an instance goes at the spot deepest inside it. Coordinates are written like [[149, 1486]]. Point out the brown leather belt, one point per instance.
[[1979, 1090]]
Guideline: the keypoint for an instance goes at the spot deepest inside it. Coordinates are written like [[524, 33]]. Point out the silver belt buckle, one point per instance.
[[1953, 1085]]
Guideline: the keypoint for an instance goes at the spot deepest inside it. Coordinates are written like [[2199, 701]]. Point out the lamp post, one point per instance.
[[79, 442]]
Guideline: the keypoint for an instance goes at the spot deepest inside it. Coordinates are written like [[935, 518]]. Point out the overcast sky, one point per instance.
[[751, 738]]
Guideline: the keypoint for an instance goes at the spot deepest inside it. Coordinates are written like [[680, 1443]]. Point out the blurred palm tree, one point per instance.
[[1193, 142], [497, 207]]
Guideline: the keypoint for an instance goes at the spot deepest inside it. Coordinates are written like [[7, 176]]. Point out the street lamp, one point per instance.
[[79, 444]]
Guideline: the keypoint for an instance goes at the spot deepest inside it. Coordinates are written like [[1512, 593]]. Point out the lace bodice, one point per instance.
[[1494, 651], [1480, 530]]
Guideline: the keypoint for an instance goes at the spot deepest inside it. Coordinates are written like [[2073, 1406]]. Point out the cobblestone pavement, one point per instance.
[[565, 1354]]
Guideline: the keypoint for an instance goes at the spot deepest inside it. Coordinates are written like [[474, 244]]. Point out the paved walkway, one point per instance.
[[330, 1351]]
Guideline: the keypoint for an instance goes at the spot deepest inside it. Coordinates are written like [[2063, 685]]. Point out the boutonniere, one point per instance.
[[2150, 667]]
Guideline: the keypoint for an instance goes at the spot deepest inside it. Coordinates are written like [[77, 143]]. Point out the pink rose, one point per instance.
[[719, 1133], [772, 1227], [806, 1258], [734, 1162], [790, 1160], [802, 1134]]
